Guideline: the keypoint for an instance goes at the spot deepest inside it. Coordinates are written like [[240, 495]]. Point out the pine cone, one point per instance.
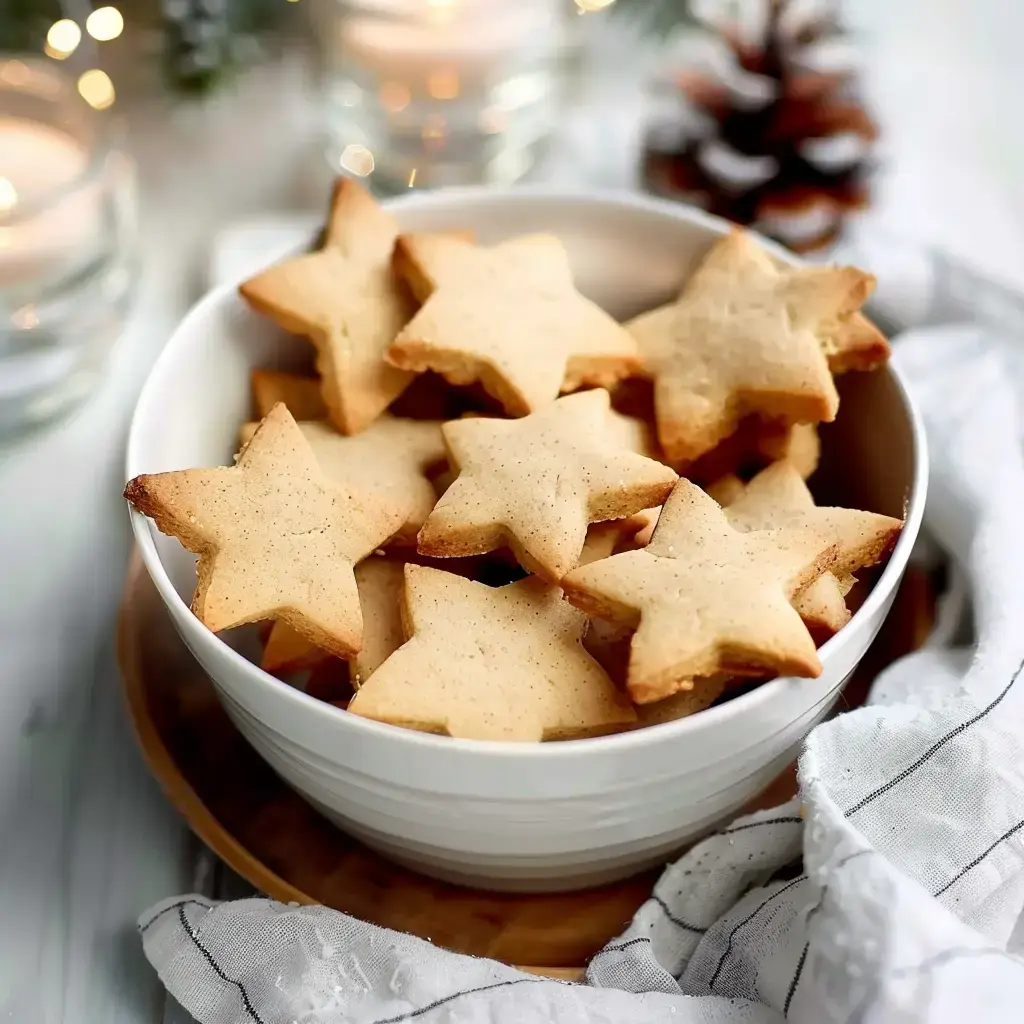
[[769, 132]]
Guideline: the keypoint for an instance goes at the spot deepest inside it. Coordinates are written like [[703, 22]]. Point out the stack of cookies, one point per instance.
[[494, 512]]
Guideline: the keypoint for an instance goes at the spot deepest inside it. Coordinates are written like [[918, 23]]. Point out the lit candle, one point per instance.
[[440, 48], [43, 232]]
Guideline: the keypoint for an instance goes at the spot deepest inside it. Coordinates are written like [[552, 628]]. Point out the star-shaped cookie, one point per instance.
[[347, 301], [757, 443], [536, 483], [508, 317], [778, 496], [744, 337], [379, 582], [387, 463], [300, 394], [853, 343], [705, 598], [276, 538], [491, 663]]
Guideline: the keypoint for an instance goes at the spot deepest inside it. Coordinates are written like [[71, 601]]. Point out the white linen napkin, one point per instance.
[[888, 892]]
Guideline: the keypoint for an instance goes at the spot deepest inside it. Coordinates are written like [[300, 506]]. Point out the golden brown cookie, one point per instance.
[[379, 582], [508, 317], [390, 462], [778, 496], [491, 663], [300, 394], [346, 300], [744, 337], [276, 538], [757, 443], [683, 704], [853, 343], [537, 482], [705, 598], [286, 651]]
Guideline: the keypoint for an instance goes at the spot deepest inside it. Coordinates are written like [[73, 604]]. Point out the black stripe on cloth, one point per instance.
[[413, 1014], [621, 946], [977, 860], [785, 820], [934, 748], [172, 906], [750, 917], [795, 980], [208, 957], [678, 922]]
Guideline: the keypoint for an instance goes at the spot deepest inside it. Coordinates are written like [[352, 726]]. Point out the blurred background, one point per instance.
[[132, 133]]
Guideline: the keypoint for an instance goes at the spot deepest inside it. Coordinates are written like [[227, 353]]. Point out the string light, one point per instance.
[[62, 40], [8, 195], [104, 24], [96, 88]]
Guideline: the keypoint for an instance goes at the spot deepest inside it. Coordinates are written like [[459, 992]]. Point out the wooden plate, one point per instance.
[[267, 834]]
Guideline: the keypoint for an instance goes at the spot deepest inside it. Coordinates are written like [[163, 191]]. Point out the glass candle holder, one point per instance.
[[421, 93], [68, 248]]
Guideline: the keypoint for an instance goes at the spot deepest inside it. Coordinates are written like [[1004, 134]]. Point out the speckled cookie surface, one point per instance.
[[387, 463], [275, 537], [778, 496], [496, 663], [346, 300], [705, 598], [536, 483], [508, 317], [379, 582], [744, 337]]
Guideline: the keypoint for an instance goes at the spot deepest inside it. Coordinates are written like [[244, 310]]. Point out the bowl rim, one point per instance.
[[628, 203]]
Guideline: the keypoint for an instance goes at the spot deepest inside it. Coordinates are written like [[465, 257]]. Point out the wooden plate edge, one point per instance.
[[185, 799]]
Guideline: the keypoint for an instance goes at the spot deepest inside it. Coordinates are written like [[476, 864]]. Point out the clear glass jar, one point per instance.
[[68, 239], [421, 93]]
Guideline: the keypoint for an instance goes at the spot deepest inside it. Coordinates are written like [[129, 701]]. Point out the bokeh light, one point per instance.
[[96, 89], [357, 159], [8, 195], [63, 38], [104, 24]]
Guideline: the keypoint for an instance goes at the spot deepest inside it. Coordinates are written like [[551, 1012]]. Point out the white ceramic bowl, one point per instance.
[[531, 817]]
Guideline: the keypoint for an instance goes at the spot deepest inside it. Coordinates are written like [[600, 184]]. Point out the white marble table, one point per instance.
[[86, 840]]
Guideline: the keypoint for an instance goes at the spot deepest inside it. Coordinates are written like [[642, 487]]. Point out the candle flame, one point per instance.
[[8, 195]]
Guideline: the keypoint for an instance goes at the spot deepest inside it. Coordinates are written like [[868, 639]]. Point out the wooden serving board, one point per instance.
[[267, 834]]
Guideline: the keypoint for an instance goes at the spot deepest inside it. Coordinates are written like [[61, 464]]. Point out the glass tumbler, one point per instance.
[[68, 248], [421, 93]]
